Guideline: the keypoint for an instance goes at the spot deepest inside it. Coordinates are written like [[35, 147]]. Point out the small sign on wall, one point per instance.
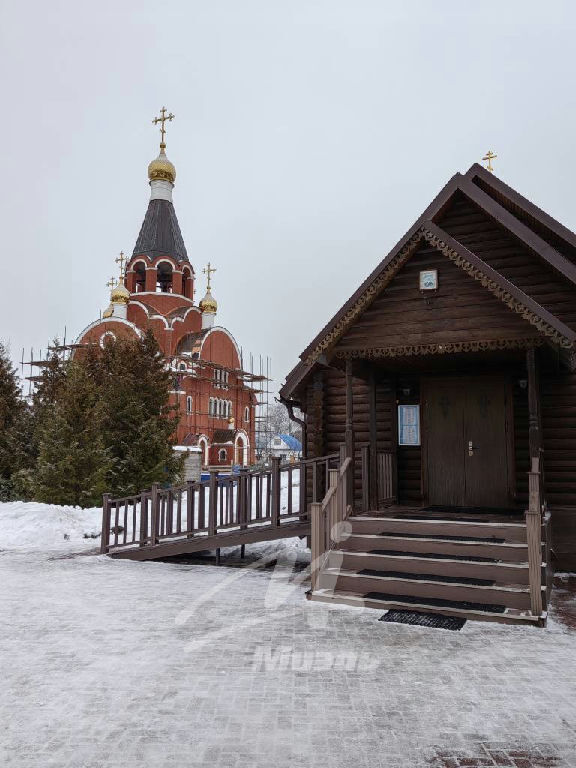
[[408, 425], [429, 280]]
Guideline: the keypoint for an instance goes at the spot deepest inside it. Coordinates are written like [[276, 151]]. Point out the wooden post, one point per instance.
[[367, 475], [143, 519], [373, 469], [302, 494], [213, 503], [534, 412], [243, 516], [170, 512], [333, 474], [534, 538], [535, 485], [349, 429], [317, 537], [275, 490], [154, 514], [105, 533], [189, 506]]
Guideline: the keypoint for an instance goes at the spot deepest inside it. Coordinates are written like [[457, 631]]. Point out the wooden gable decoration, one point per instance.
[[459, 316]]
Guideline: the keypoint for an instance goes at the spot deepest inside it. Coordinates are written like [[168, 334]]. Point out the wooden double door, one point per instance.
[[466, 442]]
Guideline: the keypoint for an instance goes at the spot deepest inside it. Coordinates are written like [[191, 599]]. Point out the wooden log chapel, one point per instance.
[[448, 381]]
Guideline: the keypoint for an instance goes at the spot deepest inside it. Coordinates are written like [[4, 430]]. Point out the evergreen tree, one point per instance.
[[14, 426], [139, 423], [73, 461]]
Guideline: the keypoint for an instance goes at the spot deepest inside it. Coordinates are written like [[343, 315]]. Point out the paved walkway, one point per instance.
[[121, 664]]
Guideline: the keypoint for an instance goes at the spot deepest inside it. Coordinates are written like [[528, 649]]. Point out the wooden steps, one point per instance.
[[476, 568], [509, 616]]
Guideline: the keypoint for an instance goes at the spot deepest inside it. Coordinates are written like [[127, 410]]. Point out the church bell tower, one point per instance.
[[159, 262]]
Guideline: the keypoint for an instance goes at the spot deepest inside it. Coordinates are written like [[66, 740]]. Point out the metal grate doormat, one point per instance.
[[433, 620]]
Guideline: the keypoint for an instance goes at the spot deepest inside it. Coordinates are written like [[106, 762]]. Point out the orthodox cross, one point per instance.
[[111, 283], [489, 156], [162, 119], [120, 259], [208, 271]]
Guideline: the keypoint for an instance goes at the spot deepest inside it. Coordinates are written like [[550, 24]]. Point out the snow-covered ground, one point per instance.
[[121, 664]]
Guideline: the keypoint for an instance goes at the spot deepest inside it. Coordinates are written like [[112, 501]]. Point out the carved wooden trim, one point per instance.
[[475, 272], [496, 290], [367, 297], [441, 349]]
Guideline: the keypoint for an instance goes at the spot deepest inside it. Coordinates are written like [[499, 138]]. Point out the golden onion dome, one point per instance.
[[208, 303], [162, 168], [120, 294]]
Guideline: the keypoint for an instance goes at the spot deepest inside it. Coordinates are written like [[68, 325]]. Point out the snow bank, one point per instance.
[[31, 525]]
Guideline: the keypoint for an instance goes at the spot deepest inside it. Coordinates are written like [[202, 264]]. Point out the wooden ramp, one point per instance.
[[227, 510], [186, 544]]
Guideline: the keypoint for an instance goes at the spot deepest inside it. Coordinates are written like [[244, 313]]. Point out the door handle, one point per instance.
[[470, 448]]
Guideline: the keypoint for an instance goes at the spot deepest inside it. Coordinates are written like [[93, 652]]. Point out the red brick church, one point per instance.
[[156, 290]]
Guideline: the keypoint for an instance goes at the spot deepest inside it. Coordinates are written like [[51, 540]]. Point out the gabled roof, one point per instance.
[[160, 233], [537, 219], [504, 206]]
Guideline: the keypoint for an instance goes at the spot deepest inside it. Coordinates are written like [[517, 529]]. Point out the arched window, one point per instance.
[[203, 445], [182, 366], [189, 404], [164, 277], [139, 277], [241, 453], [187, 283], [222, 455], [247, 414]]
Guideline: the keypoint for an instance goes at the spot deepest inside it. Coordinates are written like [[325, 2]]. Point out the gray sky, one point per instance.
[[309, 135]]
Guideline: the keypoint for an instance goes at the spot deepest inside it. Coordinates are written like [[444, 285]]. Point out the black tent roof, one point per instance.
[[160, 233]]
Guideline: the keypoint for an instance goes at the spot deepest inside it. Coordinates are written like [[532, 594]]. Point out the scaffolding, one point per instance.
[[256, 377]]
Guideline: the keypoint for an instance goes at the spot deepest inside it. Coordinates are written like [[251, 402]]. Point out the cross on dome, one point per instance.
[[121, 260], [209, 270], [162, 120]]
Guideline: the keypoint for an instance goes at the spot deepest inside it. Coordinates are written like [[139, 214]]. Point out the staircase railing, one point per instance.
[[327, 518], [534, 520]]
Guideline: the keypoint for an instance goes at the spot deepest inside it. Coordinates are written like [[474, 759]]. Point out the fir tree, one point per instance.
[[14, 426], [73, 461], [139, 423]]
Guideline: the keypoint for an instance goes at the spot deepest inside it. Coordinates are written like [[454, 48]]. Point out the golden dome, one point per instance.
[[208, 303], [120, 294], [162, 168]]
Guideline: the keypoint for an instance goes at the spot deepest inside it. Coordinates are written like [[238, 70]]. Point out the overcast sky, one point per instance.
[[309, 135]]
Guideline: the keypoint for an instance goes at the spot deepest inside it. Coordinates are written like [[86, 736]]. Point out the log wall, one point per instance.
[[461, 310], [559, 427]]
